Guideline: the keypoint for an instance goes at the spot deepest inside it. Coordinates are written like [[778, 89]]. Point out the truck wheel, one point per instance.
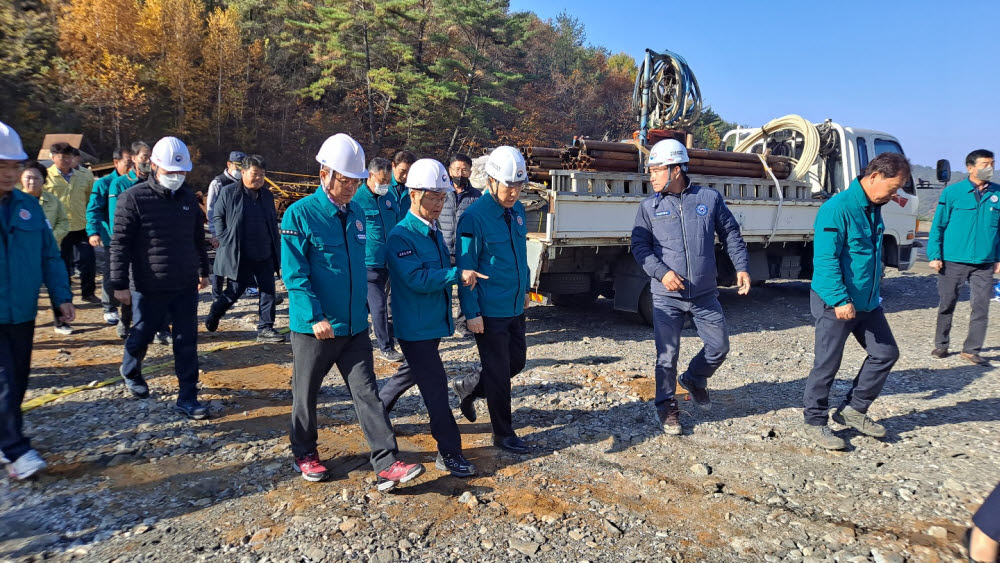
[[646, 305], [574, 299]]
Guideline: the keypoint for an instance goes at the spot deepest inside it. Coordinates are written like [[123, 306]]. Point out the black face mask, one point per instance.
[[462, 182]]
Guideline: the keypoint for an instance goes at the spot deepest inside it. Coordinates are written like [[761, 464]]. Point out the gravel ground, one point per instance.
[[129, 481]]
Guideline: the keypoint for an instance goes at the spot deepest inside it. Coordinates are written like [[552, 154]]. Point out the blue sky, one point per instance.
[[924, 71]]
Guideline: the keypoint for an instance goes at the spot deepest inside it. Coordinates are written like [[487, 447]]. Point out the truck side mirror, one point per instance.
[[943, 171]]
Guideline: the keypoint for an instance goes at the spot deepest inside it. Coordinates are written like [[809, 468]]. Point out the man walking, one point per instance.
[[845, 300], [492, 239], [964, 246], [380, 208], [674, 241], [323, 265], [140, 171], [246, 226], [231, 176], [401, 163], [72, 186], [422, 278], [99, 229], [159, 236], [29, 257]]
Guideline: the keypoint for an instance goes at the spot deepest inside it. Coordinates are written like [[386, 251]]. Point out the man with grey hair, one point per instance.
[[381, 209]]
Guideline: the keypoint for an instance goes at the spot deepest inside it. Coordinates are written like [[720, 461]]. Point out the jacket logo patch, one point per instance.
[[702, 209], [290, 232], [24, 214], [359, 225], [520, 221], [404, 253], [186, 208], [663, 213], [361, 237], [994, 198], [388, 204]]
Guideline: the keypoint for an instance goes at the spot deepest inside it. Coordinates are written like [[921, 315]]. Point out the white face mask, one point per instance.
[[237, 174], [171, 181], [380, 189], [984, 174]]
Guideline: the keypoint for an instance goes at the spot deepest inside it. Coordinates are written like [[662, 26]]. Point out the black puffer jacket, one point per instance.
[[454, 205], [159, 238]]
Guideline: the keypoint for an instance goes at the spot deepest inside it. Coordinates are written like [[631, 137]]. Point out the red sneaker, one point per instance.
[[310, 467], [398, 472]]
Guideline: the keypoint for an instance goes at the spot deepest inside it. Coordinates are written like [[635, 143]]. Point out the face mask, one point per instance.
[[462, 182], [143, 167], [171, 181], [238, 174], [381, 189], [984, 174]]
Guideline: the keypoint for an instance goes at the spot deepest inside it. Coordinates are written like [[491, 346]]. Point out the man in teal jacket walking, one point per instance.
[[964, 246], [29, 257], [99, 227], [847, 271], [422, 277], [323, 265], [492, 239], [381, 210]]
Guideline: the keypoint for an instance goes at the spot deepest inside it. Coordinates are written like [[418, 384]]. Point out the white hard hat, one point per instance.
[[171, 155], [667, 152], [429, 174], [343, 154], [507, 165], [10, 144]]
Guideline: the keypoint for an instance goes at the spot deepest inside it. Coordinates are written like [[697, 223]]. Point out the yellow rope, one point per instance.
[[48, 398]]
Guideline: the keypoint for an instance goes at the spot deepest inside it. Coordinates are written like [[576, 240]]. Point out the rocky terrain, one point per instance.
[[130, 481]]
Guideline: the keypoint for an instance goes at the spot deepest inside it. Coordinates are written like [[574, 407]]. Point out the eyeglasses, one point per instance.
[[434, 197], [347, 181]]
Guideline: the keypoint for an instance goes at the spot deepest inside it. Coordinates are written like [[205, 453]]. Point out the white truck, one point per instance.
[[581, 225]]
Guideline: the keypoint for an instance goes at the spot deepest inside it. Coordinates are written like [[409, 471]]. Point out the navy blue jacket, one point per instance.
[[677, 232]]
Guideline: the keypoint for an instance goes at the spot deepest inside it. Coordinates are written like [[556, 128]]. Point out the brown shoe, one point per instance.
[[940, 353], [669, 418], [976, 359]]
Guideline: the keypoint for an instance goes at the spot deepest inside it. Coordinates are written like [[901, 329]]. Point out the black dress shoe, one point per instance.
[[511, 444], [467, 401], [940, 353]]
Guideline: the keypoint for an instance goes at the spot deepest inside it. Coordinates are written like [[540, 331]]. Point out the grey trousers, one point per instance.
[[312, 360], [950, 280]]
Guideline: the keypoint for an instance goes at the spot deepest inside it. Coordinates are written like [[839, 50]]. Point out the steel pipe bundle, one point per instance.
[[606, 156]]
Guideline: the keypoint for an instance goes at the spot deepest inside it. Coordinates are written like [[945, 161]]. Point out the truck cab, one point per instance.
[[845, 153]]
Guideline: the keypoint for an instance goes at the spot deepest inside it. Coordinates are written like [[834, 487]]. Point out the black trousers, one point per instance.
[[987, 518], [312, 359], [422, 367], [378, 305], [15, 363], [950, 280], [151, 311], [76, 251], [503, 353], [251, 273], [871, 330]]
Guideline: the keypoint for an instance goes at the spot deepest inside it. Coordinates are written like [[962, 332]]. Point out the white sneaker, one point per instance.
[[63, 329], [111, 317], [26, 465]]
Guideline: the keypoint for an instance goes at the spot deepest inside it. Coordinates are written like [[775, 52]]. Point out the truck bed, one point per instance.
[[598, 208]]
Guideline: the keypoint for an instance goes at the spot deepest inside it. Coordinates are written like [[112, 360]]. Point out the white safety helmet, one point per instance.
[[506, 165], [668, 152], [170, 154], [429, 174], [10, 144], [343, 154]]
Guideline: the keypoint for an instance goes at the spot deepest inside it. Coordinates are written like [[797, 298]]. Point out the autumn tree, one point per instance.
[[170, 37], [224, 63]]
